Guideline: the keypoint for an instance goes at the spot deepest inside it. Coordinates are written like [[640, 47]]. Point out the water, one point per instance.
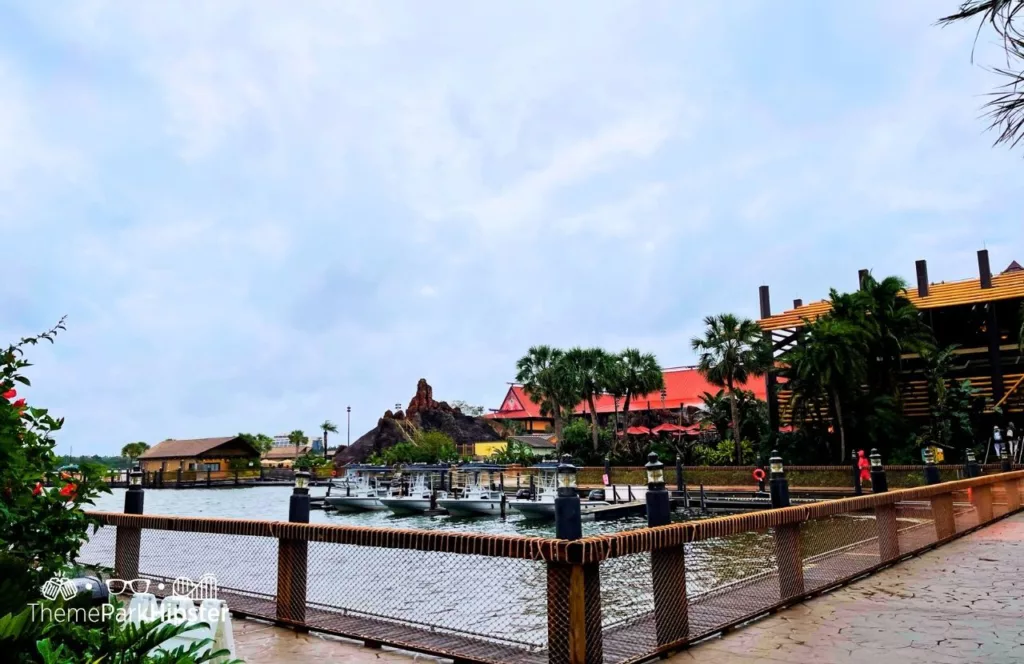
[[271, 503]]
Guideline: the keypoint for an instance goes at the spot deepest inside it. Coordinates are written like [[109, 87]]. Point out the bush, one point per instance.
[[42, 528], [427, 447]]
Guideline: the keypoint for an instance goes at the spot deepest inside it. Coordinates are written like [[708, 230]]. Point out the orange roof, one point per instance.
[[1005, 286], [683, 386]]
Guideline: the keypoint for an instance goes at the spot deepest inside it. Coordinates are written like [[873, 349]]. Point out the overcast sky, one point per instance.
[[257, 213]]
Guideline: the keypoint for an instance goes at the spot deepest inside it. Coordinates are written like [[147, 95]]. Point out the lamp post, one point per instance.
[[679, 472], [658, 509], [1004, 458], [607, 469], [879, 483], [971, 468], [298, 506], [568, 523], [348, 425], [133, 497], [931, 472], [779, 484]]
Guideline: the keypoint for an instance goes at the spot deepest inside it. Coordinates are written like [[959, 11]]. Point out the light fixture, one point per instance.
[[1004, 453], [655, 471], [301, 480], [876, 460], [135, 478], [929, 456], [970, 456], [566, 473], [775, 463]]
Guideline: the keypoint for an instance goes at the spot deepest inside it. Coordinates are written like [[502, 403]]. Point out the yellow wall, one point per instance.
[[488, 448], [538, 425]]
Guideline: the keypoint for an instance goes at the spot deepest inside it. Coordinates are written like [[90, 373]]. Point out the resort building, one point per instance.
[[283, 457], [684, 387], [541, 446], [981, 315], [200, 454]]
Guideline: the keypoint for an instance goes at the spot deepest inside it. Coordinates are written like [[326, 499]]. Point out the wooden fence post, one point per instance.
[[126, 552], [292, 564], [888, 534], [981, 496], [790, 560], [671, 606], [942, 512], [574, 614], [1012, 489]]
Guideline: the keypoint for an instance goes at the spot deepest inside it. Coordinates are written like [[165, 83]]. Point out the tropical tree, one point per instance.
[[261, 441], [328, 427], [588, 369], [828, 360], [543, 376], [639, 374], [731, 351], [297, 438], [1005, 107], [133, 451]]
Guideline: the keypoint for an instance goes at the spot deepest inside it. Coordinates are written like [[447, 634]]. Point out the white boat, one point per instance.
[[478, 498], [541, 503], [414, 496], [359, 490]]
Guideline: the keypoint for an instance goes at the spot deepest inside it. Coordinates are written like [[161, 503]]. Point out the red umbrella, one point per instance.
[[668, 428], [638, 431]]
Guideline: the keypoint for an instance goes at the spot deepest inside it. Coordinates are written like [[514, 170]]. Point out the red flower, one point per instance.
[[19, 405], [10, 394], [68, 491], [38, 490]]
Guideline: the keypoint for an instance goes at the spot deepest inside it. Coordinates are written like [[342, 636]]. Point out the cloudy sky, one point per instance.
[[257, 213]]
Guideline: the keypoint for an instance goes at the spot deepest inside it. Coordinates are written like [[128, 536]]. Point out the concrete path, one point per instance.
[[963, 602], [257, 642]]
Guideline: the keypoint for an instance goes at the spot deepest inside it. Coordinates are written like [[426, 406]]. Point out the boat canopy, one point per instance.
[[480, 468], [546, 466], [425, 468], [366, 468]]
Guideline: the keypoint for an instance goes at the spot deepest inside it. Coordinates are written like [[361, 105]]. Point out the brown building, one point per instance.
[[980, 315], [199, 454]]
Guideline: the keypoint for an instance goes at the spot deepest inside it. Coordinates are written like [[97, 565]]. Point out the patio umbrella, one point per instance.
[[638, 431], [670, 428]]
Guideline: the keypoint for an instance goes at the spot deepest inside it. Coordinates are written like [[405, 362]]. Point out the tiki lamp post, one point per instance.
[[133, 497], [971, 468], [1004, 458], [658, 509], [568, 523], [879, 483], [779, 484], [931, 472], [298, 506]]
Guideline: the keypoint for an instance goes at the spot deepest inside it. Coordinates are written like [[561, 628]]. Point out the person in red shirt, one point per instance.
[[863, 464]]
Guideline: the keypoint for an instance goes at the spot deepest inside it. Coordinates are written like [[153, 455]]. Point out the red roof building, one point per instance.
[[683, 387]]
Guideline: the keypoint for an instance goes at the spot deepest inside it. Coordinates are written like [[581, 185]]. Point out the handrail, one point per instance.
[[1010, 391]]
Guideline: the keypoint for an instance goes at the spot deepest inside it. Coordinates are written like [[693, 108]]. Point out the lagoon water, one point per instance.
[[271, 503]]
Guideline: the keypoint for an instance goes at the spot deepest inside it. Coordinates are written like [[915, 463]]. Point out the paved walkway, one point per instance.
[[963, 602], [262, 643]]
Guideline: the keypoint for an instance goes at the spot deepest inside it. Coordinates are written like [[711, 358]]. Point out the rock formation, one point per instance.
[[422, 414]]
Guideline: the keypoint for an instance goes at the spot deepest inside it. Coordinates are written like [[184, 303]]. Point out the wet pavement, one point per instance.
[[258, 642], [963, 602]]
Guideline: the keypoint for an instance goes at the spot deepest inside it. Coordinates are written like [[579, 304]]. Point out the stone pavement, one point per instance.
[[962, 602], [262, 643]]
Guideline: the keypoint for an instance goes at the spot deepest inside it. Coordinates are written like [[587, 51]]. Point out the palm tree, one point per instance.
[[641, 374], [588, 369], [296, 438], [831, 360], [542, 376], [133, 451], [1005, 107], [328, 427], [731, 351]]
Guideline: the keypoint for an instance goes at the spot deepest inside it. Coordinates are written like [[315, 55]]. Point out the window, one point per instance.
[[211, 466], [191, 466]]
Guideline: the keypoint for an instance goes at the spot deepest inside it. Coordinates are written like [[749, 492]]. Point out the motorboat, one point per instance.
[[415, 487], [359, 489], [479, 495], [541, 502]]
